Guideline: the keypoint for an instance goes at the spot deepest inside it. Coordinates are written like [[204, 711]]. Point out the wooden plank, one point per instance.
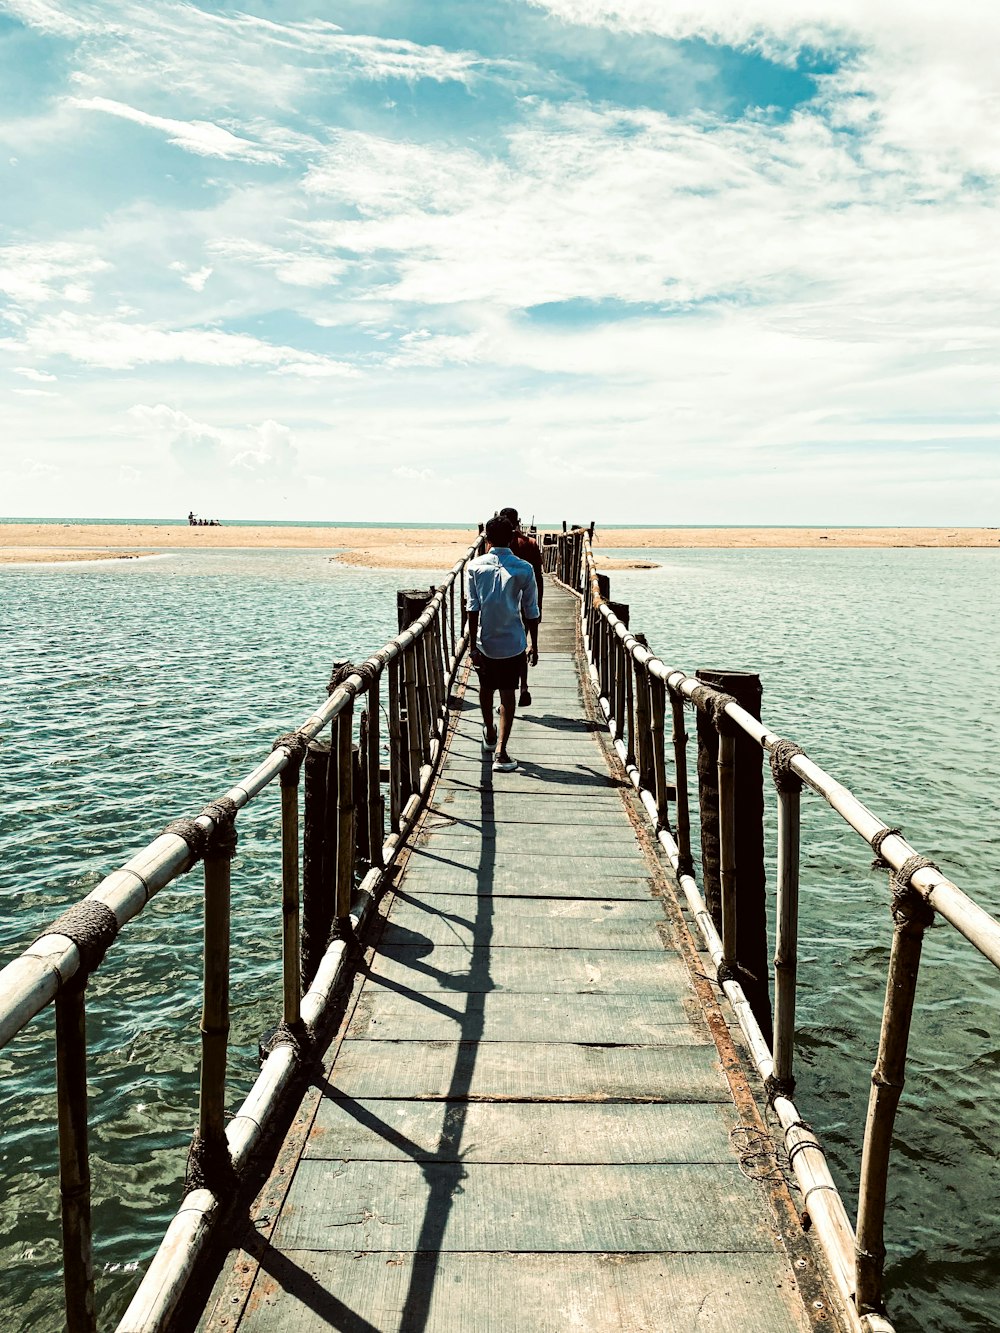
[[309, 1292], [528, 923], [537, 780], [541, 1132], [526, 1071], [475, 809], [429, 1207], [395, 1012], [537, 972], [556, 840], [535, 878]]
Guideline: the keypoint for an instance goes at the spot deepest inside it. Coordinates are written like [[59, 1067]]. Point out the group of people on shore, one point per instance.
[[504, 597], [195, 522]]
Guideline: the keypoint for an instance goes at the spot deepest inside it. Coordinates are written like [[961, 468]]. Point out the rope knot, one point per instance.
[[879, 863], [340, 673], [92, 927], [193, 833], [221, 843], [210, 1167], [781, 766], [296, 744], [908, 903]]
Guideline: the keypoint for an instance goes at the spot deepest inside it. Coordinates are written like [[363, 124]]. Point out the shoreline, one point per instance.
[[440, 548]]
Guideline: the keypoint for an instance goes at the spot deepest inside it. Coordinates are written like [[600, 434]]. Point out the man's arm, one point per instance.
[[474, 652], [532, 615], [532, 627]]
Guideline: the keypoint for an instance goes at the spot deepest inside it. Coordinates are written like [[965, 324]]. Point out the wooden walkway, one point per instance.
[[524, 1124]]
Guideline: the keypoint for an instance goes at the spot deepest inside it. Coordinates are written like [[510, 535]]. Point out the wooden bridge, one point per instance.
[[503, 1093]]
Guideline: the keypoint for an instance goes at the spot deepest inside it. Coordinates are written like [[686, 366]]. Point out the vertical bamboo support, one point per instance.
[[787, 930], [74, 1159], [344, 755], [376, 813], [451, 624], [727, 845], [657, 729], [424, 699], [643, 734], [911, 915], [621, 667], [398, 759], [215, 1008], [630, 673], [290, 935], [362, 823], [409, 659], [319, 833], [682, 816]]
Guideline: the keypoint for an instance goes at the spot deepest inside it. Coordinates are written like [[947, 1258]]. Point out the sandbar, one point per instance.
[[436, 548]]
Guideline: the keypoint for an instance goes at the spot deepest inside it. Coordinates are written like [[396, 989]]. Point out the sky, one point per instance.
[[632, 261]]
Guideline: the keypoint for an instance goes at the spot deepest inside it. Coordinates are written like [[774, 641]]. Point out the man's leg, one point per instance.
[[507, 708], [486, 705]]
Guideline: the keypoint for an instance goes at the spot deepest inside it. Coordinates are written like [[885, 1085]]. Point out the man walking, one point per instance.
[[500, 590], [526, 548]]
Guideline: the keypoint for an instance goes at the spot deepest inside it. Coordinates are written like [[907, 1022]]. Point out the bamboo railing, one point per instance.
[[421, 663], [631, 683]]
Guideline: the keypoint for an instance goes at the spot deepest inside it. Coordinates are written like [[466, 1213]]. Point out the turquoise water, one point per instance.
[[133, 693]]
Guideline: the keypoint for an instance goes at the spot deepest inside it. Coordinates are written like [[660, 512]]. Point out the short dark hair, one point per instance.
[[512, 515], [499, 531]]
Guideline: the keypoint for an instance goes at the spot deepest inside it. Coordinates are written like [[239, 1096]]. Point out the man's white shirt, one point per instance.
[[500, 586]]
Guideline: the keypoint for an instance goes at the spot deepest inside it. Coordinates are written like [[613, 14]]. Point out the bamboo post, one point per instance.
[[727, 845], [682, 814], [621, 671], [424, 698], [376, 811], [362, 824], [911, 916], [787, 930], [344, 756], [290, 934], [409, 660], [643, 738], [398, 753], [215, 1009], [657, 729], [752, 957], [318, 847], [74, 1158]]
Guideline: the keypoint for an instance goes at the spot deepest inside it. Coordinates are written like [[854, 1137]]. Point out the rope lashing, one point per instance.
[[725, 973], [714, 703], [778, 1087], [368, 671], [878, 839], [296, 744], [781, 766], [210, 1167], [92, 927], [685, 865], [907, 901], [295, 1035], [193, 833], [221, 845]]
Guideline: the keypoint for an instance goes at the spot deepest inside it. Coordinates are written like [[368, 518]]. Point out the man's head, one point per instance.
[[499, 531], [512, 518]]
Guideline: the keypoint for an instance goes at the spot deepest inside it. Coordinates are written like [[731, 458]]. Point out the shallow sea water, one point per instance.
[[132, 693]]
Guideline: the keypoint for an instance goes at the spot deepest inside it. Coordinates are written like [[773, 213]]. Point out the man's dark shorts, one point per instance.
[[500, 673]]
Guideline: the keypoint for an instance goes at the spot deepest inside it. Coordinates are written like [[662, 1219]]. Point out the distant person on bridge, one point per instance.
[[525, 548], [502, 603]]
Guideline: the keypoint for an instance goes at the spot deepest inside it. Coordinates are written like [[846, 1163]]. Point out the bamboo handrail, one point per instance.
[[856, 1263]]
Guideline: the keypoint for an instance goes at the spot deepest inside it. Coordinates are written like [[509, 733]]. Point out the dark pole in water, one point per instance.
[[751, 956]]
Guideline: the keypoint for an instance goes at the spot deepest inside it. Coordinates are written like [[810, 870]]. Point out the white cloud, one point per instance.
[[117, 345], [273, 453], [29, 373], [190, 442], [35, 273], [413, 473], [195, 136]]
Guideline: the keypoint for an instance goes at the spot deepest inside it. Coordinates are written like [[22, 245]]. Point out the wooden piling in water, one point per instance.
[[318, 849], [751, 946], [344, 869]]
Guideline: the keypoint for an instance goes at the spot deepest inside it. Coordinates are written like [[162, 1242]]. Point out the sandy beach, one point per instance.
[[434, 548]]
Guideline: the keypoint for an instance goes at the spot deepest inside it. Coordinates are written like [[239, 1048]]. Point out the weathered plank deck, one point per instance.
[[525, 1123]]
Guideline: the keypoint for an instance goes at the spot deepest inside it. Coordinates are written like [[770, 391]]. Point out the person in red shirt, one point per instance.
[[525, 548]]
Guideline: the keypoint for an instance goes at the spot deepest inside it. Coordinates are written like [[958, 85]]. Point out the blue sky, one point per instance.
[[632, 260]]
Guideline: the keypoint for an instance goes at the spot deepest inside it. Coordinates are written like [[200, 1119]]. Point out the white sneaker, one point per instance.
[[488, 744], [504, 765]]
